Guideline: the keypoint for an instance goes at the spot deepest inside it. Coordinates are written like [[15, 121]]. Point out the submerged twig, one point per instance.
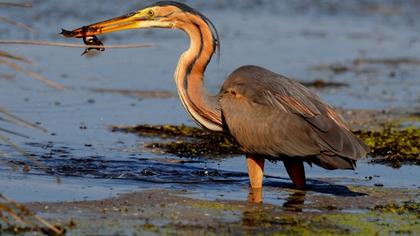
[[12, 118], [3, 156], [15, 146], [388, 61], [37, 163], [14, 57], [7, 76], [12, 132], [135, 93], [19, 121], [33, 75], [14, 4], [72, 45]]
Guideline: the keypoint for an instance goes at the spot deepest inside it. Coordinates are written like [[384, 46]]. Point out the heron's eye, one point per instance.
[[151, 13]]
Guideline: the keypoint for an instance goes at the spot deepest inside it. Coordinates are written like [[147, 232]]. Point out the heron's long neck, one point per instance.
[[189, 76]]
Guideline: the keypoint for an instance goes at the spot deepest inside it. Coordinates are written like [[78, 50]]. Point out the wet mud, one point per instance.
[[156, 212]]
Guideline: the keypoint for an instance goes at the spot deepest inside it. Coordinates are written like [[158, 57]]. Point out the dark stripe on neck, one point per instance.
[[194, 61]]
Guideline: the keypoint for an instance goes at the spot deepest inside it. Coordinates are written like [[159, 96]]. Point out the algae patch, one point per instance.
[[405, 207], [186, 141], [393, 145]]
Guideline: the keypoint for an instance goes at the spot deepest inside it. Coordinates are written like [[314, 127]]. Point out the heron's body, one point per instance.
[[269, 115]]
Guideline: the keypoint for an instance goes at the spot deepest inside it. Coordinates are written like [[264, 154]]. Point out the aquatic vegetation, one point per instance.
[[405, 207], [186, 141], [393, 145]]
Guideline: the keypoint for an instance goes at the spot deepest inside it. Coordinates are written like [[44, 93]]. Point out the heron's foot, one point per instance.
[[255, 171], [296, 172]]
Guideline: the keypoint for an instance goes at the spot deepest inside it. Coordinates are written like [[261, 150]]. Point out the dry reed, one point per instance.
[[16, 218]]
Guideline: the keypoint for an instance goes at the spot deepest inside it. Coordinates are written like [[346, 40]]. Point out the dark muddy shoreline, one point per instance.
[[159, 212]]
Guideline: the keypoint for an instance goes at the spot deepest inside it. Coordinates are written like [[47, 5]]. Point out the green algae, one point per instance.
[[270, 222], [393, 144], [372, 223], [186, 141], [369, 223], [215, 206], [214, 148], [405, 207], [165, 131]]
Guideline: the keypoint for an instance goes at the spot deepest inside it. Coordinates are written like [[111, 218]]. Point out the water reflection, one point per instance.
[[258, 214], [317, 186], [295, 201]]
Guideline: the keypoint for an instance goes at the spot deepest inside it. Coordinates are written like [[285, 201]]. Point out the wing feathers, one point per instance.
[[278, 116]]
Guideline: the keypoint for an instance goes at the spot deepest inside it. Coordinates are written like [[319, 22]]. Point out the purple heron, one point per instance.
[[270, 116]]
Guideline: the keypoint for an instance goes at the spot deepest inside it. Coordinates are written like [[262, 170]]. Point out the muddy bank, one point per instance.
[[155, 212]]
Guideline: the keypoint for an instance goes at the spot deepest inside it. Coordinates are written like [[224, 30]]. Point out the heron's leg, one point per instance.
[[255, 195], [296, 172], [255, 170]]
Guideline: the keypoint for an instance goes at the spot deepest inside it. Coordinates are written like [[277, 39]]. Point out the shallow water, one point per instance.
[[290, 39]]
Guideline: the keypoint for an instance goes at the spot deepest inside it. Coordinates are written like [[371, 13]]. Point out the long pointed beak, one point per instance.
[[126, 22]]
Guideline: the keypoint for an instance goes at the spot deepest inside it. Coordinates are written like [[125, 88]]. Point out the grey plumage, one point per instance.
[[271, 115]]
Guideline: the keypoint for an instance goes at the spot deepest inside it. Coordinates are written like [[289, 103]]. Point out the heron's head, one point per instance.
[[163, 14]]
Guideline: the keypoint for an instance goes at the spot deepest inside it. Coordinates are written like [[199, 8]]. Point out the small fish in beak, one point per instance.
[[91, 40]]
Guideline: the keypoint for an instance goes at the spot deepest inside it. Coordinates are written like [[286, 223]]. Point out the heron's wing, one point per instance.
[[270, 105], [262, 130]]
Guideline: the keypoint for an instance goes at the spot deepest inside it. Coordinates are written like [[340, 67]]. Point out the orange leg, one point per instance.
[[255, 171], [296, 172], [255, 195]]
